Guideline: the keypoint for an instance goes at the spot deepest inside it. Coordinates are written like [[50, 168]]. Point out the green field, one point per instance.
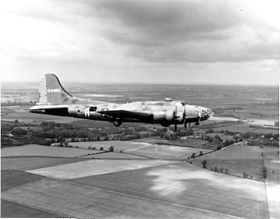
[[237, 159], [242, 128], [221, 135], [27, 163], [188, 186], [271, 159], [13, 178], [14, 210], [143, 149], [125, 188], [20, 113], [48, 151], [195, 143]]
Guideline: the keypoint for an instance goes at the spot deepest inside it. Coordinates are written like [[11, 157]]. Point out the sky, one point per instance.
[[144, 41]]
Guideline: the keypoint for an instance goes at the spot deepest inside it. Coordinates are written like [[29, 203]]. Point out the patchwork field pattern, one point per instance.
[[38, 186], [237, 159], [143, 149]]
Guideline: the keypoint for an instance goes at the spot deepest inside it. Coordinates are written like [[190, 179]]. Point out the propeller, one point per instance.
[[185, 118], [185, 124], [117, 123]]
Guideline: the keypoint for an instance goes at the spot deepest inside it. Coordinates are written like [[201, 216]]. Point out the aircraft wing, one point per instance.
[[125, 114]]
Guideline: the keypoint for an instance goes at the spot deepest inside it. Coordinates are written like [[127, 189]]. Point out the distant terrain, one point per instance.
[[230, 158]]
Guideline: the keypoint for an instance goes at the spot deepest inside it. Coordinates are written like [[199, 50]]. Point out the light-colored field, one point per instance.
[[75, 200], [39, 150], [272, 164], [117, 155], [144, 149], [94, 167], [118, 145], [222, 119], [136, 188], [188, 186], [166, 191], [195, 143]]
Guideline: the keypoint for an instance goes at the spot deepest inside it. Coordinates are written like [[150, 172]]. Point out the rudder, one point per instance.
[[52, 92]]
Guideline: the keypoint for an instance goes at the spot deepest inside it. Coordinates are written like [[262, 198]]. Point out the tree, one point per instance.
[[217, 139], [19, 132], [204, 163], [264, 172], [111, 148]]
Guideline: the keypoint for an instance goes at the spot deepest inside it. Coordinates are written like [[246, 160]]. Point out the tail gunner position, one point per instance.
[[55, 100]]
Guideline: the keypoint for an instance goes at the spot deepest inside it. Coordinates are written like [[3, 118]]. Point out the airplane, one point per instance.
[[55, 100]]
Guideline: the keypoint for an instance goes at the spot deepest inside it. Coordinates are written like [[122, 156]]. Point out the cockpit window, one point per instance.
[[92, 108]]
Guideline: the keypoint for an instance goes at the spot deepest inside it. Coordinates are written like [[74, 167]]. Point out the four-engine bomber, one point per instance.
[[55, 100]]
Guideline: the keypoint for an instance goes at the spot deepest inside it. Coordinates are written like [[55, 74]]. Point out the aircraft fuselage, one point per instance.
[[55, 100]]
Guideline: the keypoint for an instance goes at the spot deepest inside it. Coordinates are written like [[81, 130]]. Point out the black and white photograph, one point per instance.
[[140, 109]]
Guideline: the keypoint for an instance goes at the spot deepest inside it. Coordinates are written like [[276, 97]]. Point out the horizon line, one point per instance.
[[153, 83]]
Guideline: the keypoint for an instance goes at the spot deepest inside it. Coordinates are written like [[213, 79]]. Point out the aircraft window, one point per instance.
[[92, 108]]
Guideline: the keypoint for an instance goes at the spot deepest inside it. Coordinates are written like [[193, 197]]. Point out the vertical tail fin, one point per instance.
[[52, 92]]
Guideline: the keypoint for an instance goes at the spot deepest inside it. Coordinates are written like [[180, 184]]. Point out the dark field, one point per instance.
[[13, 178], [28, 162], [240, 158], [14, 210]]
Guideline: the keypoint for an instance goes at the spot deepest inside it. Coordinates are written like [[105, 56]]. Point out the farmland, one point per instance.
[[28, 162], [38, 150], [242, 128], [150, 151], [163, 189], [195, 143], [240, 159], [92, 173]]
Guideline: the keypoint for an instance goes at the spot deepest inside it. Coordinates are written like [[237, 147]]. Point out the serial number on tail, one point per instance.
[[57, 90]]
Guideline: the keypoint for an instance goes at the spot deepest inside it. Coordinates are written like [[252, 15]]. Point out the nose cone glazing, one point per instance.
[[205, 114]]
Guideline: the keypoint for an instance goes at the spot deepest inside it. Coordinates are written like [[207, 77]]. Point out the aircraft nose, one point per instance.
[[210, 112], [206, 113]]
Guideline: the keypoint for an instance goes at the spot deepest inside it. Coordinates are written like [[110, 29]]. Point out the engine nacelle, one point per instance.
[[117, 123], [76, 111], [164, 116]]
